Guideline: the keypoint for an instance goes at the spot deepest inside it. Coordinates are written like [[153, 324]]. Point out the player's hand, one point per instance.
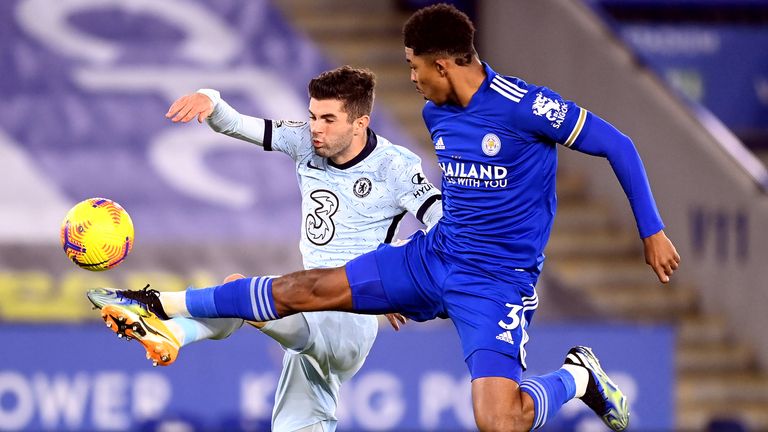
[[661, 255], [395, 319], [190, 106]]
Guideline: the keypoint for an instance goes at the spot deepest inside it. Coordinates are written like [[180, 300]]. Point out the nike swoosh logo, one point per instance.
[[309, 165], [152, 330]]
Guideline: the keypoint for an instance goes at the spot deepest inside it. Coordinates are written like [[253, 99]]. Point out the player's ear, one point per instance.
[[441, 64], [361, 124]]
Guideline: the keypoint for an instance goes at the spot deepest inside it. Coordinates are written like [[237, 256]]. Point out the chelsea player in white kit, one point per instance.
[[356, 186], [496, 140]]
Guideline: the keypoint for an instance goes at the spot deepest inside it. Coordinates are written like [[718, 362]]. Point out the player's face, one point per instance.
[[331, 129], [433, 85]]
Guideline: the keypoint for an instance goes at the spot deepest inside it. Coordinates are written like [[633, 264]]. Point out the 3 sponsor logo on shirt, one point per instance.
[[319, 225]]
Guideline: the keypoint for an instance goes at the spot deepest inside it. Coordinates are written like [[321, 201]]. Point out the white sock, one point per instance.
[[580, 376], [174, 303]]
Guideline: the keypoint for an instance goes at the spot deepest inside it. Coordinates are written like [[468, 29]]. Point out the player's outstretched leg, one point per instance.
[[134, 322], [601, 395], [161, 338], [250, 299], [261, 298]]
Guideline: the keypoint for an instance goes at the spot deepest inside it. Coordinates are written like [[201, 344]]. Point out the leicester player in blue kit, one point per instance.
[[496, 140]]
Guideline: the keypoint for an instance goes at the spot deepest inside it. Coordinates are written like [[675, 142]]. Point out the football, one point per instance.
[[97, 234]]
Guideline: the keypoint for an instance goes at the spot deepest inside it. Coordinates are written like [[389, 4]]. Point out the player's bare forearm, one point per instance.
[[661, 255]]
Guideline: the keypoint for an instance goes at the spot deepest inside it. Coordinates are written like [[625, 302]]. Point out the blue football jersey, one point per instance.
[[499, 158]]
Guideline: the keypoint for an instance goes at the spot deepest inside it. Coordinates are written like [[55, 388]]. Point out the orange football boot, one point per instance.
[[161, 344]]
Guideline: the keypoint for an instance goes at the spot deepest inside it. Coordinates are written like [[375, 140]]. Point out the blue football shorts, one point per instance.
[[490, 314]]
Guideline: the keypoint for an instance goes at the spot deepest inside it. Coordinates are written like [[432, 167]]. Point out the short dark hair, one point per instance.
[[441, 29], [354, 87]]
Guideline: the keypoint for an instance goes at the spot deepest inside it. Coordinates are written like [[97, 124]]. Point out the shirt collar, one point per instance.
[[370, 145], [490, 74]]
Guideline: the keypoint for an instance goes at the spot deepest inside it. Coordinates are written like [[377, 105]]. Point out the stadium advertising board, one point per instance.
[[81, 377]]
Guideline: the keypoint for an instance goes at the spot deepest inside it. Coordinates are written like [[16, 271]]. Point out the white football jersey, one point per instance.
[[346, 211], [349, 210]]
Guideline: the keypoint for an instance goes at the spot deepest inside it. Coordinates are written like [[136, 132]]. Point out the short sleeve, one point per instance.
[[413, 191], [290, 137]]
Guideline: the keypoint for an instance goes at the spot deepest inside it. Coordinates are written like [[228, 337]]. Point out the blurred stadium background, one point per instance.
[[85, 84]]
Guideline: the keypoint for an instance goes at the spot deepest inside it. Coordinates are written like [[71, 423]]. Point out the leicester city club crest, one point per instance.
[[491, 144]]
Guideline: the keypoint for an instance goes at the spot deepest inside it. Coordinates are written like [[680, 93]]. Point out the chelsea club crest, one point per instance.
[[491, 144], [362, 187]]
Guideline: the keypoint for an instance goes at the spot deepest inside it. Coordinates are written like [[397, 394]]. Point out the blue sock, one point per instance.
[[248, 298], [549, 392]]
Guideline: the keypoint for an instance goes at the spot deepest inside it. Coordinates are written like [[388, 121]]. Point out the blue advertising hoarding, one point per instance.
[[722, 67], [710, 51], [81, 377]]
